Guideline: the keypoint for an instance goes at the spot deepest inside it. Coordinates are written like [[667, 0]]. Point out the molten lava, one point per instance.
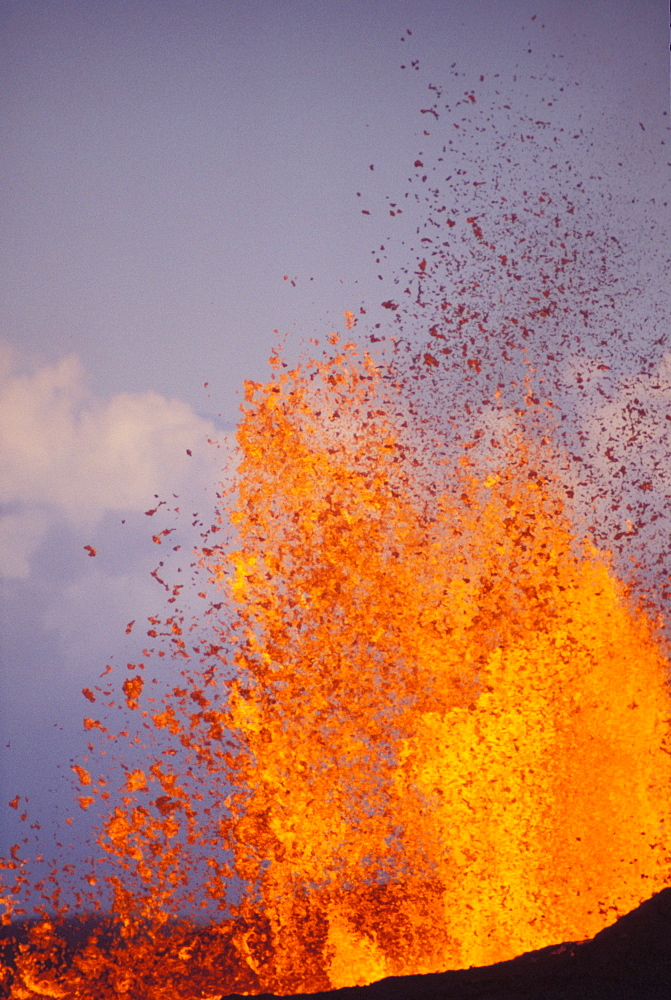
[[455, 718], [443, 726], [422, 723]]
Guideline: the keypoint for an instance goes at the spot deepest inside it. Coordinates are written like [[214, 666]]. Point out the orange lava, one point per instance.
[[456, 719], [441, 722]]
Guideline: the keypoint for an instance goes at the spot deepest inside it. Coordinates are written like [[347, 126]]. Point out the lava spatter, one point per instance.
[[421, 720]]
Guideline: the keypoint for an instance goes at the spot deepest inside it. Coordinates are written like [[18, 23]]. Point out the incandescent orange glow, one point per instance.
[[446, 735], [409, 707], [449, 723], [456, 720]]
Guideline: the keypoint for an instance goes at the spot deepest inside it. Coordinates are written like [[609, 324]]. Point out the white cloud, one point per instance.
[[60, 445], [66, 453]]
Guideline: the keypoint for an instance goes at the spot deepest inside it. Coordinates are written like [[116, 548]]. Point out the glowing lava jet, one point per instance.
[[423, 725], [456, 720], [446, 735]]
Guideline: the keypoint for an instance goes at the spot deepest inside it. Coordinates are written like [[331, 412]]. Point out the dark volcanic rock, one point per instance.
[[629, 961]]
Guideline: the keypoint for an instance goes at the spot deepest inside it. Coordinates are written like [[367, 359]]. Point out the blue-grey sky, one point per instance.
[[164, 165]]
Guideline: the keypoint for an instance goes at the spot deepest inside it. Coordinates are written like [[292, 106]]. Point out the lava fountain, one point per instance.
[[455, 720], [439, 732], [421, 721]]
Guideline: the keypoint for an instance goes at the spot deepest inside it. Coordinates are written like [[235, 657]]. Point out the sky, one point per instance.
[[185, 183]]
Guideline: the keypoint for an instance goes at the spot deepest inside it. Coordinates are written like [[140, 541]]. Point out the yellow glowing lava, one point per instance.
[[450, 723]]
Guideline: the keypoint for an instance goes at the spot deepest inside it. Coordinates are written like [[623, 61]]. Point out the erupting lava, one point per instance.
[[423, 725], [455, 720], [446, 734]]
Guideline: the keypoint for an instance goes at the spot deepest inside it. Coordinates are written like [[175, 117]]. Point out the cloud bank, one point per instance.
[[68, 454]]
